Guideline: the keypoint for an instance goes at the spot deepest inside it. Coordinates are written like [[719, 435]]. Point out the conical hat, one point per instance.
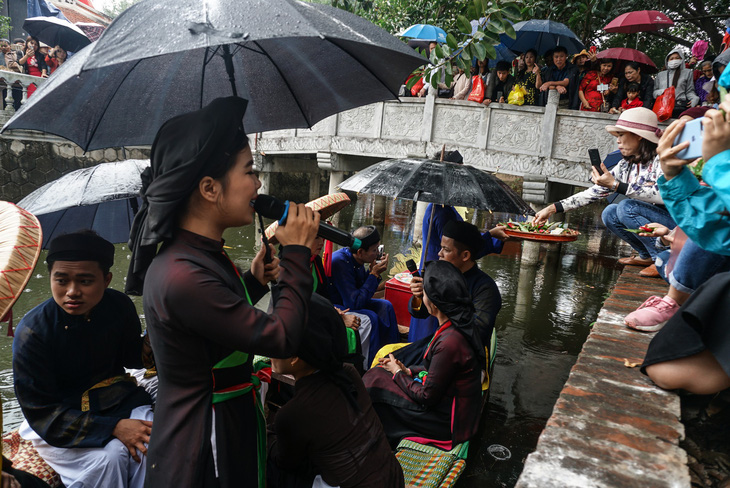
[[20, 246], [327, 206]]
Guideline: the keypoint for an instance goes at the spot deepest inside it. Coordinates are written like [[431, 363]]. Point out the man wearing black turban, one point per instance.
[[329, 428], [440, 399], [460, 245], [86, 417], [204, 328]]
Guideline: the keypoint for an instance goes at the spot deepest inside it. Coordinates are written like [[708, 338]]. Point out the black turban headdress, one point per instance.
[[467, 235], [186, 149], [445, 286], [324, 345], [81, 246]]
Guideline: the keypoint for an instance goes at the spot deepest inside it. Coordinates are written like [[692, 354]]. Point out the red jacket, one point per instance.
[[636, 102]]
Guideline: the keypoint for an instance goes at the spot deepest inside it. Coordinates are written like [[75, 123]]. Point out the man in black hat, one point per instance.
[[85, 416], [354, 287], [461, 244]]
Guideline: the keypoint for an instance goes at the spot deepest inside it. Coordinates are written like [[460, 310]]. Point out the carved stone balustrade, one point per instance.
[[517, 140], [19, 84]]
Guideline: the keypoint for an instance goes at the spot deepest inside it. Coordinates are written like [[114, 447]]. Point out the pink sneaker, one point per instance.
[[652, 314]]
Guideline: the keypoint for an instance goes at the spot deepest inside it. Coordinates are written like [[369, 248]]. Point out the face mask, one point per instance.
[[674, 63]]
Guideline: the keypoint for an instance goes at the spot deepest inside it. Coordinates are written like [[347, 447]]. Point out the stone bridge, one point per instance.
[[542, 144]]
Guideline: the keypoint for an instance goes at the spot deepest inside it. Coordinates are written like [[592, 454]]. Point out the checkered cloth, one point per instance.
[[26, 458], [430, 467]]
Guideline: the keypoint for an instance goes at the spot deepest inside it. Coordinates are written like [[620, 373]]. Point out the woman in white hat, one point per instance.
[[637, 134]]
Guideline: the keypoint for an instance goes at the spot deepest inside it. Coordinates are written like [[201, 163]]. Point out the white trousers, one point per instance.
[[110, 466]]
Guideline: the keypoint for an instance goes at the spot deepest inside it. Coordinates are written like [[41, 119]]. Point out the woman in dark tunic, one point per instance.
[[441, 399], [329, 428], [209, 428]]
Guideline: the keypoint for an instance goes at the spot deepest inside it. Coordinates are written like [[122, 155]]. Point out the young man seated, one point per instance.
[[354, 287], [86, 418], [329, 429], [500, 84]]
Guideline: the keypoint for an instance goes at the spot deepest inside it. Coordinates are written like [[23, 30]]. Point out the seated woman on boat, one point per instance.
[[329, 428], [441, 399]]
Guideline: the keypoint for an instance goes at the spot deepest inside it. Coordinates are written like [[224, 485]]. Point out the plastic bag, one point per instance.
[[517, 95], [664, 104], [477, 89]]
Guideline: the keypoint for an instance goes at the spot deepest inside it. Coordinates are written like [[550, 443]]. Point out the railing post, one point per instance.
[[428, 114], [547, 129]]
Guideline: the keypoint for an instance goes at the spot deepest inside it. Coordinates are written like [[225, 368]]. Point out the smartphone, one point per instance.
[[411, 265], [499, 96], [692, 132], [595, 160], [381, 252]]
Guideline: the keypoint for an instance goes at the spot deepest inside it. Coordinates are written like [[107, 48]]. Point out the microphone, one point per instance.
[[272, 208]]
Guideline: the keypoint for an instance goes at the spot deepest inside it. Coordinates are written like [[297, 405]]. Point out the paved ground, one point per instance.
[[611, 427]]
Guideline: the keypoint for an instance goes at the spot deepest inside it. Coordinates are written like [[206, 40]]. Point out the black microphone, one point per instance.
[[272, 208]]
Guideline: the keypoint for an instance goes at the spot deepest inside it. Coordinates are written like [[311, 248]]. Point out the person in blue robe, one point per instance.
[[354, 287]]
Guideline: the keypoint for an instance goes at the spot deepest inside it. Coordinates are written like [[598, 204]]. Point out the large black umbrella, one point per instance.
[[441, 182], [56, 32], [103, 198], [296, 62], [425, 180]]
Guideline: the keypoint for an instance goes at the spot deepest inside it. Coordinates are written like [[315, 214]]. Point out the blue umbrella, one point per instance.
[[542, 35], [425, 32], [103, 198]]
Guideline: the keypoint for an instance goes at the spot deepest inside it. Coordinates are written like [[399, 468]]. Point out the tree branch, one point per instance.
[[672, 38]]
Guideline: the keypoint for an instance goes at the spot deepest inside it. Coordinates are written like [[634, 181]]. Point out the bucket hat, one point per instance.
[[640, 121]]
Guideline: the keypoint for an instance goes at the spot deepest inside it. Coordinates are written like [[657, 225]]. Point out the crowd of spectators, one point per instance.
[[28, 56], [584, 82]]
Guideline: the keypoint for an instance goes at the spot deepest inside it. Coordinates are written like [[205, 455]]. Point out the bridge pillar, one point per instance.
[[314, 185], [535, 190], [548, 125]]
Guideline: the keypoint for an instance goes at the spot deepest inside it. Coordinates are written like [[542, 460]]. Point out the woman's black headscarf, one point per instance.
[[324, 345], [186, 149], [446, 287]]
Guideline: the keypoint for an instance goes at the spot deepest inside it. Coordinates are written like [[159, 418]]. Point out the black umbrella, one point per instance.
[[296, 63], [425, 180], [56, 32], [103, 198]]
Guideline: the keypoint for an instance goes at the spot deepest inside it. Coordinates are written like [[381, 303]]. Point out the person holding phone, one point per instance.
[[33, 61], [637, 134]]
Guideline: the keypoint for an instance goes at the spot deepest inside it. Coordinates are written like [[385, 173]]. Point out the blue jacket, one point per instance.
[[353, 284], [696, 208]]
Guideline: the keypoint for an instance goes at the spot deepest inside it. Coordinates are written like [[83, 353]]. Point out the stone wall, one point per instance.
[[29, 160]]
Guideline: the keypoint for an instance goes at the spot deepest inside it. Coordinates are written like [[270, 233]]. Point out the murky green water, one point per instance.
[[546, 315]]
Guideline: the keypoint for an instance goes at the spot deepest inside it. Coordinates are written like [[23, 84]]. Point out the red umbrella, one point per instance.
[[639, 21], [627, 54]]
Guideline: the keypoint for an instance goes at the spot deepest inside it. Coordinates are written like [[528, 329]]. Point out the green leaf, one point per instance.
[[479, 35], [463, 24], [481, 50], [495, 26], [449, 78], [491, 51], [439, 52], [485, 6], [451, 41], [412, 81], [512, 11], [509, 30], [449, 69], [491, 37]]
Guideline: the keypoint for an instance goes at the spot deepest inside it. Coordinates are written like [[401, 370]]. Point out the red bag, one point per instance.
[[664, 104], [477, 89], [417, 87]]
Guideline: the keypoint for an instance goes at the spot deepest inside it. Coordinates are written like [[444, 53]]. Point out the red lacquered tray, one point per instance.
[[532, 236]]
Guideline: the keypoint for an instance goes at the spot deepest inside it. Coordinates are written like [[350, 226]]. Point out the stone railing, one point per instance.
[[546, 143], [19, 84]]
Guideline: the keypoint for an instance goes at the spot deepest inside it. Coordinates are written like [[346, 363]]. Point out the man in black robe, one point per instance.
[[69, 356], [460, 244]]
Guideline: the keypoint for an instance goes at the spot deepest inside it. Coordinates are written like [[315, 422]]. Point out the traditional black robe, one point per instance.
[[319, 432], [198, 314], [444, 406], [57, 357], [487, 303]]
